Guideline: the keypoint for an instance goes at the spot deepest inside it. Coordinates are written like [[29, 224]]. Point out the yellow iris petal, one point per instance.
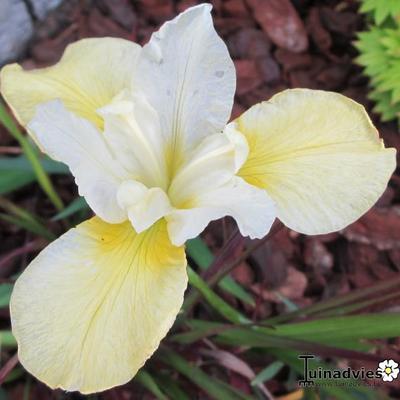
[[90, 73], [318, 156], [93, 306]]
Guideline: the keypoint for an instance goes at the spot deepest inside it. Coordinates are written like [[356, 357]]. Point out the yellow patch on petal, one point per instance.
[[90, 73], [318, 156], [93, 306]]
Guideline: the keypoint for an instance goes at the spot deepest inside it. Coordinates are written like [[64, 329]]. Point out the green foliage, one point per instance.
[[17, 172], [379, 49], [268, 373], [5, 294], [381, 10], [146, 380], [22, 218], [203, 257], [219, 305], [77, 205], [32, 155], [214, 387]]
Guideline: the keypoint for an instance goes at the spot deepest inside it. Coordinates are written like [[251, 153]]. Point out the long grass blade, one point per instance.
[[215, 388], [146, 380], [20, 217], [337, 303], [217, 303], [203, 257], [31, 155]]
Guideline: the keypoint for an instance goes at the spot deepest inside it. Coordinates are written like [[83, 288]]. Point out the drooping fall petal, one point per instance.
[[93, 306], [90, 73], [318, 156], [187, 75]]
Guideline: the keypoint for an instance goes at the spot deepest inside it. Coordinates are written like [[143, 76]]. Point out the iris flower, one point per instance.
[[145, 133]]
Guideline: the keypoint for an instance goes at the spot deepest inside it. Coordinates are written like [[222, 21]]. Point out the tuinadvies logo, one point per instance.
[[387, 370]]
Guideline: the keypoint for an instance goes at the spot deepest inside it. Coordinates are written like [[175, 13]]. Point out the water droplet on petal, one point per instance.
[[219, 74]]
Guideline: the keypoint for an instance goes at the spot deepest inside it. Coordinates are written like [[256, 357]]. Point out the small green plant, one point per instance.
[[381, 10], [379, 49]]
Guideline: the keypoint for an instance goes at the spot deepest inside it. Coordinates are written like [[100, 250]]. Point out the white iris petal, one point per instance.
[[144, 206], [162, 152]]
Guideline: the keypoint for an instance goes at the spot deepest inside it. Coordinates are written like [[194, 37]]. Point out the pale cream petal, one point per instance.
[[79, 144], [132, 129], [189, 78], [144, 205], [240, 144], [318, 156], [93, 306], [252, 209], [206, 188], [208, 166], [90, 73]]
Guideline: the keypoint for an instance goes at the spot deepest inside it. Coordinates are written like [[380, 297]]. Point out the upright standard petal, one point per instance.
[[188, 77], [132, 129], [318, 156], [93, 306], [209, 165], [79, 144], [90, 73]]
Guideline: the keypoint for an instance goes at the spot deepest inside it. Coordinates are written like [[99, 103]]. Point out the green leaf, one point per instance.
[[381, 9], [379, 49], [21, 163], [76, 205], [340, 304], [199, 252], [32, 156], [146, 380], [215, 388], [54, 167], [203, 257], [171, 387], [5, 294], [290, 305], [11, 180], [7, 340], [267, 373], [216, 302], [260, 337], [15, 374], [198, 331], [332, 330], [32, 226], [23, 218], [17, 172]]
